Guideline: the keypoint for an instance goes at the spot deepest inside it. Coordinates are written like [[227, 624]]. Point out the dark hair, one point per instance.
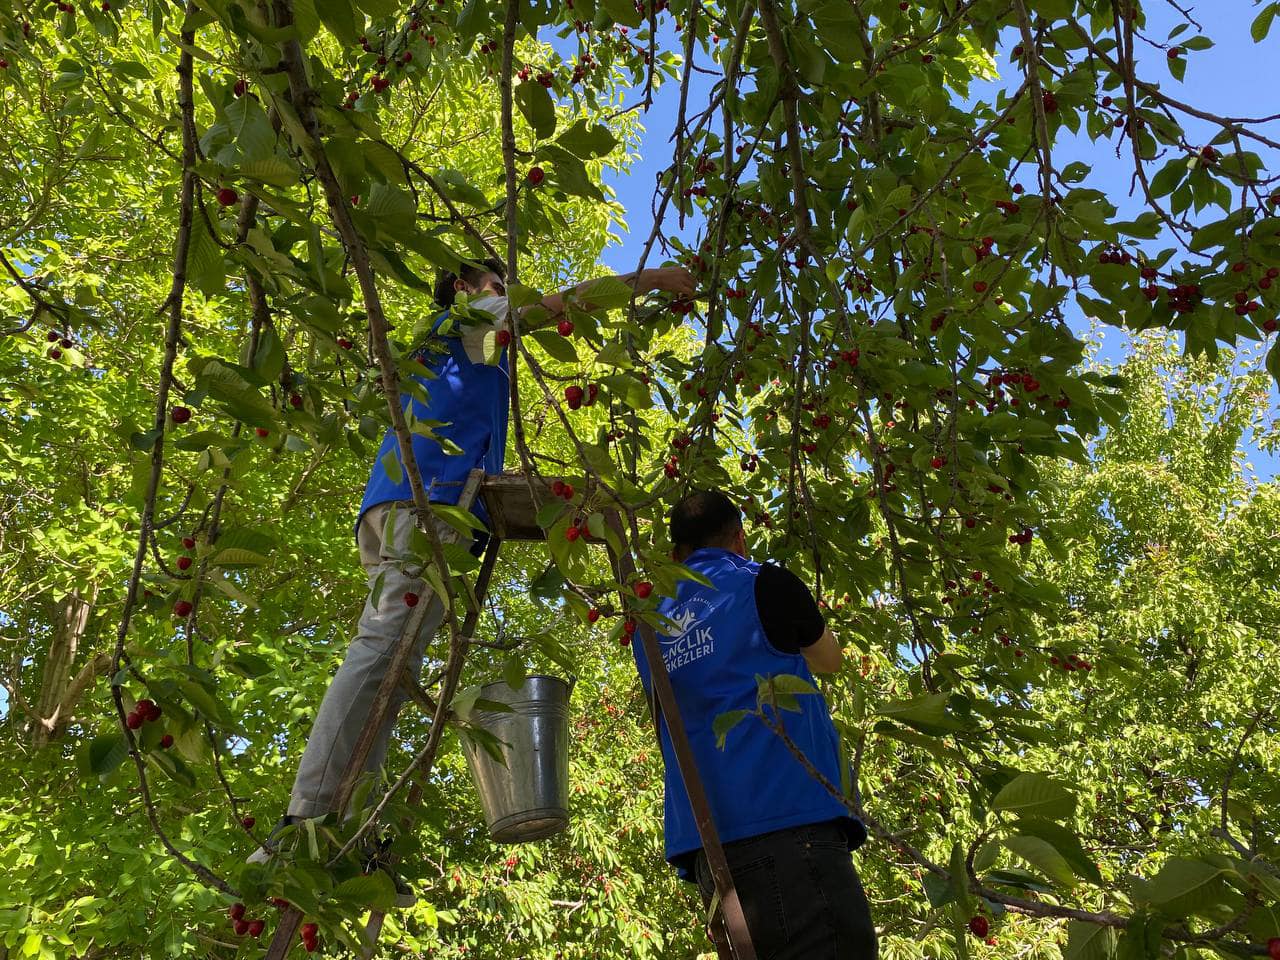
[[704, 518], [445, 279]]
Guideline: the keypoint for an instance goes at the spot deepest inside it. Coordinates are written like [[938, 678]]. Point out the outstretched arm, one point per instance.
[[675, 280]]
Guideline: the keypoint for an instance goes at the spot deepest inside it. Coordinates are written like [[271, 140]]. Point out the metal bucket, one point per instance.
[[528, 797]]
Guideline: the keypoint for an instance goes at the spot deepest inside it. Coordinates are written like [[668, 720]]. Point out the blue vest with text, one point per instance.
[[755, 784], [470, 398]]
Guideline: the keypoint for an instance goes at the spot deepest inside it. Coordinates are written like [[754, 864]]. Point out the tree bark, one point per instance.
[[59, 693]]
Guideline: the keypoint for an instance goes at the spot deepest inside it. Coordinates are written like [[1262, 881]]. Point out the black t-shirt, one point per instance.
[[788, 612]]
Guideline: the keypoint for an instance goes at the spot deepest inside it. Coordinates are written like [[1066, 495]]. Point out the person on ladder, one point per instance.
[[470, 397], [786, 838]]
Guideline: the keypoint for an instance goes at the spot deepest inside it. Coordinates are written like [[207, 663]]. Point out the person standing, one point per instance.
[[787, 839], [467, 395]]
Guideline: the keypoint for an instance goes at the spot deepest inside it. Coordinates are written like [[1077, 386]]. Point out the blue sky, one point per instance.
[[1225, 79]]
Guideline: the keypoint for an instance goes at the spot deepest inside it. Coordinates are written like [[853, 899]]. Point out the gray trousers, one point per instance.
[[346, 704]]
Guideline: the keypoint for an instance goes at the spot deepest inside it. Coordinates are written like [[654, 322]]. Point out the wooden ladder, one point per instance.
[[512, 502]]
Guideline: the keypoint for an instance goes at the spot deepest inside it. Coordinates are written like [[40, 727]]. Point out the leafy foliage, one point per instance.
[[219, 226]]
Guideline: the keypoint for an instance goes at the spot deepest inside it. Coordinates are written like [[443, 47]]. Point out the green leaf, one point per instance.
[[1066, 843], [724, 722], [1184, 886], [1034, 794], [1088, 941], [375, 890], [341, 20], [514, 671], [538, 108], [464, 521], [237, 557], [588, 141], [249, 665], [561, 348], [391, 463], [1043, 857], [104, 753], [927, 713], [1262, 22]]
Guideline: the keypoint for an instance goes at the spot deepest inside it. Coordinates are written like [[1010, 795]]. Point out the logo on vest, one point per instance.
[[688, 640]]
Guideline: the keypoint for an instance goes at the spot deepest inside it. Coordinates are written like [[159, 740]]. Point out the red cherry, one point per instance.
[[564, 328], [188, 543], [567, 493], [237, 911], [1175, 52], [295, 400], [55, 354], [573, 396], [262, 431], [980, 286], [629, 627], [643, 589], [309, 930], [572, 533], [182, 608], [133, 721], [166, 741], [241, 927], [247, 822], [557, 488], [593, 615], [256, 927], [344, 343], [180, 414], [535, 176], [52, 336], [228, 197], [241, 88], [1239, 267], [937, 463], [410, 599], [502, 338], [979, 926]]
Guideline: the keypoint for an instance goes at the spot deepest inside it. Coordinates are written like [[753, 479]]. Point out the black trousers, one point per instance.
[[800, 893]]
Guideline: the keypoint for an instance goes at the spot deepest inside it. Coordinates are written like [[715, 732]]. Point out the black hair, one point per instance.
[[704, 518], [445, 279]]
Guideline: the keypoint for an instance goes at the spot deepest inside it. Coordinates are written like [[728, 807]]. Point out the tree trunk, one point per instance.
[[59, 692]]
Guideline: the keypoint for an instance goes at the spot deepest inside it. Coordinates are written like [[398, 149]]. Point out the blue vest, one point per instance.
[[470, 397], [755, 785]]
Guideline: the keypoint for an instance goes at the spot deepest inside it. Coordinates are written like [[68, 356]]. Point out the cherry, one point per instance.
[[55, 354], [147, 709], [502, 338], [410, 599], [535, 176], [572, 533], [228, 197], [557, 488], [241, 927], [1273, 948], [295, 400], [237, 911], [567, 493], [133, 721], [310, 930], [256, 927], [564, 328], [188, 543], [166, 741], [247, 822], [980, 286], [1239, 267], [241, 88], [52, 336], [180, 414], [344, 343], [1175, 52], [643, 589], [262, 431], [979, 926], [182, 608], [937, 463], [593, 615], [66, 343], [573, 396]]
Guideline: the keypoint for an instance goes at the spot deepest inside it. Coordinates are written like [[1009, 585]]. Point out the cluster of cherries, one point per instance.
[[145, 711], [575, 396], [58, 340]]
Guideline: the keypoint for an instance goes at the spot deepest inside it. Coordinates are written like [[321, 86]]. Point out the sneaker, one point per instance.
[[374, 852], [270, 846]]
